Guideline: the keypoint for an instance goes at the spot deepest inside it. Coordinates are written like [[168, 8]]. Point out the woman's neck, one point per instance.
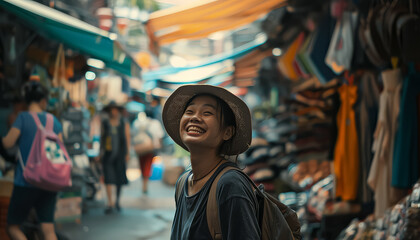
[[201, 161], [34, 107]]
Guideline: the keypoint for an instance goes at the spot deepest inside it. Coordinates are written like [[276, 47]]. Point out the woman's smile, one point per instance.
[[200, 124], [195, 130]]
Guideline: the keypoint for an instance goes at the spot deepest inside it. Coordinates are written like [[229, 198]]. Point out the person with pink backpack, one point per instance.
[[25, 134]]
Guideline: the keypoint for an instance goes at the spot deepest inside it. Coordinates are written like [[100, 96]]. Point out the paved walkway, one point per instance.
[[142, 216]]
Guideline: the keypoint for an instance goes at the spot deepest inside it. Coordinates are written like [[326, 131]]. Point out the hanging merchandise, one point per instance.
[[346, 156], [317, 52], [286, 60], [409, 33], [110, 88], [380, 172], [405, 166], [366, 118], [282, 27], [77, 90], [301, 58], [340, 51], [59, 77]]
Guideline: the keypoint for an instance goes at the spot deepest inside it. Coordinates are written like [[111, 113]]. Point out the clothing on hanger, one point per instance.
[[379, 178]]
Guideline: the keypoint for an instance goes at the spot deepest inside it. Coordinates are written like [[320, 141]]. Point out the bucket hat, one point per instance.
[[176, 103], [112, 104]]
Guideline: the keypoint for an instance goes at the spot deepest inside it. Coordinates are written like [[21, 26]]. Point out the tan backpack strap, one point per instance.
[[212, 210], [180, 184]]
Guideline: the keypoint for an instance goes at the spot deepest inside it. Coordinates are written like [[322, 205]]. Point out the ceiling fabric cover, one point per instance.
[[200, 19]]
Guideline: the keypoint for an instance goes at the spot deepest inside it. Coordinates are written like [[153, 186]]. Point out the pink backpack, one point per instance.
[[49, 165]]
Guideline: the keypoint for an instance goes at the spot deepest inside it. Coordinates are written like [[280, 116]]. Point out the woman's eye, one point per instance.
[[208, 113], [188, 111]]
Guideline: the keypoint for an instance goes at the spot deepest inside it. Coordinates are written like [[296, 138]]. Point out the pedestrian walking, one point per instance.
[[213, 125], [114, 153], [148, 134], [25, 197]]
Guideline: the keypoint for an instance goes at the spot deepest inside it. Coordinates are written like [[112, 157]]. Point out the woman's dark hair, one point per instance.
[[33, 91], [227, 118]]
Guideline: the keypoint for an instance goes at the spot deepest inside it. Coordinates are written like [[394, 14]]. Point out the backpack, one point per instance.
[[276, 220], [48, 166]]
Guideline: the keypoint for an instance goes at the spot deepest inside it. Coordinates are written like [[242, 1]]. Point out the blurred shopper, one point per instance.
[[147, 142], [114, 154], [25, 196], [212, 124]]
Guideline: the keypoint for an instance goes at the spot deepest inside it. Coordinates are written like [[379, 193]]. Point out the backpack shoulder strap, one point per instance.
[[36, 119], [180, 184], [49, 125], [212, 210], [49, 121]]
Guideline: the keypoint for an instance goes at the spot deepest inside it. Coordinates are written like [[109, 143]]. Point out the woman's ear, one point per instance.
[[228, 133]]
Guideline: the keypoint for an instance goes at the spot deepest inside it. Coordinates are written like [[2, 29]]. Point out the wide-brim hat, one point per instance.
[[113, 104], [176, 104]]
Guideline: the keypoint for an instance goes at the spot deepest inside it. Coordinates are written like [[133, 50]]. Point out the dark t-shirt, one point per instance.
[[237, 210]]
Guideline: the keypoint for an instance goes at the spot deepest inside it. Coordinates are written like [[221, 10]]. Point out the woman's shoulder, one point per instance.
[[234, 185], [233, 180]]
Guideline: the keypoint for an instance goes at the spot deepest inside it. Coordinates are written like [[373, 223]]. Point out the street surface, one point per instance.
[[142, 216]]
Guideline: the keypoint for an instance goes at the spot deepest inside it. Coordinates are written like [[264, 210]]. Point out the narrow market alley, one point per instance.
[[291, 119], [142, 216]]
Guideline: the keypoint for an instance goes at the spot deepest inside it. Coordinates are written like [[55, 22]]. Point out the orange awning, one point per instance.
[[199, 19]]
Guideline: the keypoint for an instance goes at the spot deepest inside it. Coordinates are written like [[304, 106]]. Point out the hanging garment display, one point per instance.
[[77, 90], [366, 118], [405, 165], [380, 172], [340, 51], [346, 155], [319, 48], [286, 60]]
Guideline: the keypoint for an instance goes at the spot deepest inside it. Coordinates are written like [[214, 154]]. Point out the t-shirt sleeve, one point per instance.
[[58, 128], [237, 208], [18, 122]]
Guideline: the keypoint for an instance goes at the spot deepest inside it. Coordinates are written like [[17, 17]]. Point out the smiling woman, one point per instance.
[[212, 124], [202, 124]]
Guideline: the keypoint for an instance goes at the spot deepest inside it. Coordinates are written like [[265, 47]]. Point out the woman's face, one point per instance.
[[200, 124], [115, 112]]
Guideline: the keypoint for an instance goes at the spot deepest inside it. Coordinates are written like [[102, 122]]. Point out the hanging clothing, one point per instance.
[[367, 115], [380, 172], [346, 155], [405, 165]]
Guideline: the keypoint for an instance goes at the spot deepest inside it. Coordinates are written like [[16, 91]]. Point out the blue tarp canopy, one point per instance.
[[164, 72], [74, 34]]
